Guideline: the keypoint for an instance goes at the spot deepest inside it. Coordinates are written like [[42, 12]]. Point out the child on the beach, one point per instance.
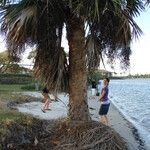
[[47, 100]]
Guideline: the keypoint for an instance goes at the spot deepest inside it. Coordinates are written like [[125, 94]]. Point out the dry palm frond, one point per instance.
[[52, 70], [50, 63], [93, 52], [85, 136]]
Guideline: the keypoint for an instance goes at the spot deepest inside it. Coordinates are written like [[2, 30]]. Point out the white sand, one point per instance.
[[58, 109]]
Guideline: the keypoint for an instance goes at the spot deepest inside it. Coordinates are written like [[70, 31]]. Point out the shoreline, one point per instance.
[[126, 129]]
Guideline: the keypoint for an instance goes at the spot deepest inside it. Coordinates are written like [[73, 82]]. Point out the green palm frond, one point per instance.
[[111, 26], [19, 25], [134, 7], [147, 2], [3, 2]]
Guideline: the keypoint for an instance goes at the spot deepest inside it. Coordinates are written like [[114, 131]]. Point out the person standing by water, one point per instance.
[[105, 102], [98, 88], [93, 88], [47, 99]]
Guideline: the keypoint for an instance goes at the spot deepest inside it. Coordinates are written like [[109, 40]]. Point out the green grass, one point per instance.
[[10, 88], [9, 117], [14, 115], [7, 88], [11, 93], [7, 114]]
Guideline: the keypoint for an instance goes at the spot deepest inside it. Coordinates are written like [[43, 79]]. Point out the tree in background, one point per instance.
[[9, 66], [4, 61], [109, 25]]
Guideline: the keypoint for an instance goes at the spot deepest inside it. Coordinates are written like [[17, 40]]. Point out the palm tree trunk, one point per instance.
[[78, 108]]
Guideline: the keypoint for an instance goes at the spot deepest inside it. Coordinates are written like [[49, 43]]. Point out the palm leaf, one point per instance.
[[39, 23], [111, 27], [17, 22], [134, 7], [52, 70], [50, 63], [110, 23], [94, 52]]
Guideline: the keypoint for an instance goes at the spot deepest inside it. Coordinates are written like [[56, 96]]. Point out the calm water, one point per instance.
[[132, 98]]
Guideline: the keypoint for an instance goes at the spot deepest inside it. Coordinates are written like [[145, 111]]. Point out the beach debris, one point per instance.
[[35, 141], [91, 108], [43, 111], [31, 133], [85, 135]]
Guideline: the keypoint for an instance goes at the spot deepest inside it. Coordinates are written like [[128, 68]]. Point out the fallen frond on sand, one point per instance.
[[29, 133], [80, 135]]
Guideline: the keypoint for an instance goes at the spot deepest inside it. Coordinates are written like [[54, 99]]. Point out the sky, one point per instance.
[[140, 57]]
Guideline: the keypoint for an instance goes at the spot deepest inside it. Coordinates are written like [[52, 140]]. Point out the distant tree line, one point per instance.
[[139, 76]]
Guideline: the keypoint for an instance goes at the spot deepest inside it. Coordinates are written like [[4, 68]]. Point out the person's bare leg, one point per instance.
[[43, 109], [106, 120], [47, 105], [102, 119]]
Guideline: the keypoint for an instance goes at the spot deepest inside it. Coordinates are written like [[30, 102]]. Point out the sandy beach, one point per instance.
[[116, 119], [125, 129], [118, 122]]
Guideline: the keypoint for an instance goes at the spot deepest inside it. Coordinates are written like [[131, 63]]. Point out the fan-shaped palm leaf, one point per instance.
[[111, 27], [110, 23], [19, 24], [23, 24], [51, 65]]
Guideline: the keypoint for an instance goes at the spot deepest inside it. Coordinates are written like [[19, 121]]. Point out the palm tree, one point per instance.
[[109, 28]]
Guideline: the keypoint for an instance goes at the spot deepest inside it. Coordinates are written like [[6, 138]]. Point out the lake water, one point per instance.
[[132, 98]]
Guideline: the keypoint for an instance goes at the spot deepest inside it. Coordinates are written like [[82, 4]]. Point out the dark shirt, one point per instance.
[[94, 85]]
